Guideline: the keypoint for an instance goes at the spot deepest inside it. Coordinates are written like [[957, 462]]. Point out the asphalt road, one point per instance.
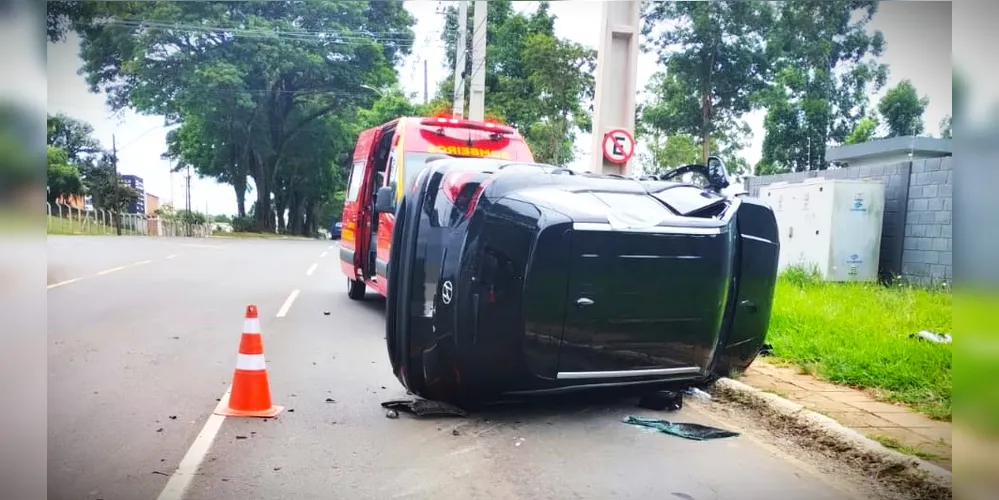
[[143, 334]]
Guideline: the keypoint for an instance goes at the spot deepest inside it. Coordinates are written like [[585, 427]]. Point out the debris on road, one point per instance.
[[696, 432], [938, 338], [661, 401], [330, 400], [697, 393], [766, 350], [391, 414], [424, 408], [326, 313], [240, 437]]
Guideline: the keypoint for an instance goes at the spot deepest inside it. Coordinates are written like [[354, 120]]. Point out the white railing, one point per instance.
[[66, 219]]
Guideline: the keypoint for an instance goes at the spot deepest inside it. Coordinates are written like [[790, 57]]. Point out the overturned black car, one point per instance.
[[511, 278]]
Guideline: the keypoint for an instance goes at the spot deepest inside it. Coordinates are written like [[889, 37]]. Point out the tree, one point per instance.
[[902, 109], [865, 130], [824, 67], [945, 127], [248, 81], [535, 82], [665, 153], [561, 72], [715, 65], [63, 179], [74, 137]]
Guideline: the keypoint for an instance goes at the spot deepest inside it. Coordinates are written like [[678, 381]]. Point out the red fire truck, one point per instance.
[[388, 158]]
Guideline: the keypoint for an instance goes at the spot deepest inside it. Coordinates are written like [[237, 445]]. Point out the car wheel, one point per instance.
[[356, 289]]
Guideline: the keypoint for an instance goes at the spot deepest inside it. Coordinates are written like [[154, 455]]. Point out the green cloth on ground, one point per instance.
[[696, 432]]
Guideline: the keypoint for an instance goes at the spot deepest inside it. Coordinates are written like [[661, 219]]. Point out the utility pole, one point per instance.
[[187, 216], [477, 96], [115, 186], [173, 201], [459, 61], [426, 93], [616, 80], [188, 189]]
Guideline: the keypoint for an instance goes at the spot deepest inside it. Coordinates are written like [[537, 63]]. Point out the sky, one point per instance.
[[917, 36]]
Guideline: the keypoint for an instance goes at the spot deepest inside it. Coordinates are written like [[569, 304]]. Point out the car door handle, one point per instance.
[[583, 301]]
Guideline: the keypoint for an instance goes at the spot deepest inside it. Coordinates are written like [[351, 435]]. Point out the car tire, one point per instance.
[[356, 289]]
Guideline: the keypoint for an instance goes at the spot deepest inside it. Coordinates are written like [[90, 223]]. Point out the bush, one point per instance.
[[243, 225]]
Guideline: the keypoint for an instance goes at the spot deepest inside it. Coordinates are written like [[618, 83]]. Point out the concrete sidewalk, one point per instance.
[[892, 425]]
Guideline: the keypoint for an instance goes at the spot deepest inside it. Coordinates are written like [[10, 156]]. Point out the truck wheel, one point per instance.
[[356, 289]]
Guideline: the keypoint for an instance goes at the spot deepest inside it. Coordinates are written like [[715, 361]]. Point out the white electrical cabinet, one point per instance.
[[830, 225]]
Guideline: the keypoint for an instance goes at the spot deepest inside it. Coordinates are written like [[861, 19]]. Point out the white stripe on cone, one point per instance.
[[250, 362], [251, 325]]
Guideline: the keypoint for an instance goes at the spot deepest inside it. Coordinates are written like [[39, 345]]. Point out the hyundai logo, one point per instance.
[[446, 292]]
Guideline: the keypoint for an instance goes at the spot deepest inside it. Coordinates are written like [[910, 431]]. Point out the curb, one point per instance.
[[897, 470]]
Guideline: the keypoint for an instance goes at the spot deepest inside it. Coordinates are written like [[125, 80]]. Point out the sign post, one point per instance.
[[616, 83], [618, 146]]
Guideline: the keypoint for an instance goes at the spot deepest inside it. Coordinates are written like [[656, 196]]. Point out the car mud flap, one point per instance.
[[424, 408]]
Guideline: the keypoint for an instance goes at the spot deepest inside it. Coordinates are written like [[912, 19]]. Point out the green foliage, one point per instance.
[[902, 109], [63, 179], [945, 127], [263, 90], [242, 224], [535, 81], [865, 130], [715, 65], [824, 67]]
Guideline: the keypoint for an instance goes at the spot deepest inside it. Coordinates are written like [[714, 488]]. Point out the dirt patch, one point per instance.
[[879, 472]]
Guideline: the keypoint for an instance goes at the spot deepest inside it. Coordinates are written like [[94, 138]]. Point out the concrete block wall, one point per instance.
[[927, 252], [916, 234]]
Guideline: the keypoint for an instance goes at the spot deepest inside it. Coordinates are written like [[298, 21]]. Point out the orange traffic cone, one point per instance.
[[251, 393]]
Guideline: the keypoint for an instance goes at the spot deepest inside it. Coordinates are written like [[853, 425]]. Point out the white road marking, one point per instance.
[[188, 467], [113, 269], [287, 304], [322, 255], [61, 283], [99, 273], [171, 256], [312, 269]]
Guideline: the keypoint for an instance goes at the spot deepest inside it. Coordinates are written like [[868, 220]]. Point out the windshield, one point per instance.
[[412, 166]]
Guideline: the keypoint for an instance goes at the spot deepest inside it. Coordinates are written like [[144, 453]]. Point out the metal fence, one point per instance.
[[67, 219]]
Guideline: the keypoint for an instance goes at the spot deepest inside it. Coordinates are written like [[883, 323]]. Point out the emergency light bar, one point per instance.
[[468, 124]]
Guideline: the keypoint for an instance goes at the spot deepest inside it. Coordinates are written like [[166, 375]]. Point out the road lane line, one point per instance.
[[322, 255], [61, 283], [113, 269], [101, 273], [287, 304], [188, 467], [312, 269]]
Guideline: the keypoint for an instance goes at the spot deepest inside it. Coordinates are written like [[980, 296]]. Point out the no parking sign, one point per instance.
[[618, 146]]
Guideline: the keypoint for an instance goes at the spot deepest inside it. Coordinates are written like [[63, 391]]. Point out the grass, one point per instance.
[[66, 226], [857, 334], [894, 444], [273, 236]]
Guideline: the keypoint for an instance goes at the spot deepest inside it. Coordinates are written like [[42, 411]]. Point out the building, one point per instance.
[[152, 203], [888, 151], [135, 182]]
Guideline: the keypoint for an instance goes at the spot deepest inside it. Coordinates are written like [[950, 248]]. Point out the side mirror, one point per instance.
[[385, 200]]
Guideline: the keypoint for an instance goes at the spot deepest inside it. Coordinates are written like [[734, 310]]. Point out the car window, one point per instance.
[[356, 177]]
